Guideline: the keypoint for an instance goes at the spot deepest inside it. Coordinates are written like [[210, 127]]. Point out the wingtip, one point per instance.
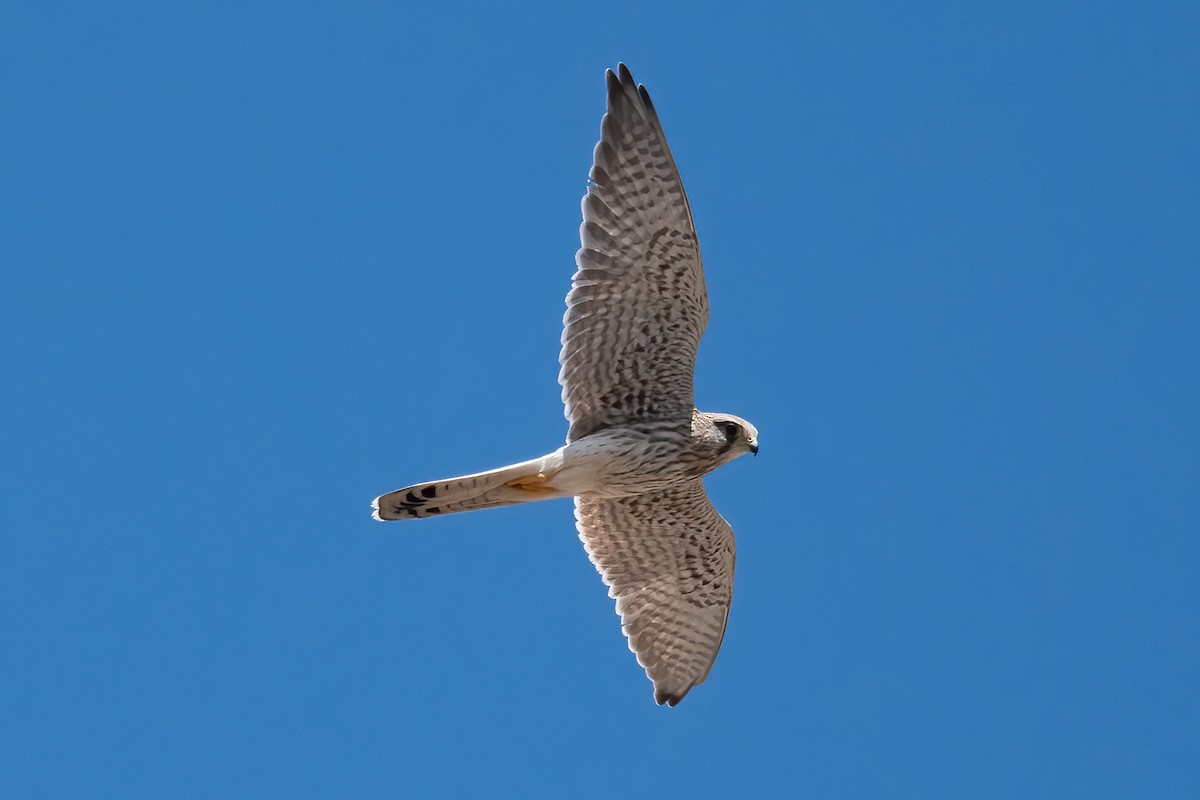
[[623, 90], [667, 698], [624, 79], [612, 82]]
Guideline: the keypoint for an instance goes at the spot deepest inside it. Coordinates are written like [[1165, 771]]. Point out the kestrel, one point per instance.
[[637, 447]]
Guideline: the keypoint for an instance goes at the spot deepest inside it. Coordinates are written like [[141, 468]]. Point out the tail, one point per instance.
[[519, 483]]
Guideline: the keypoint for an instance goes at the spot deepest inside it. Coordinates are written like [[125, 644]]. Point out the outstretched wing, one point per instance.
[[637, 306], [668, 558]]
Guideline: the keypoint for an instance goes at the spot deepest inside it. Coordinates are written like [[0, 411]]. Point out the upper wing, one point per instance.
[[667, 557], [637, 306]]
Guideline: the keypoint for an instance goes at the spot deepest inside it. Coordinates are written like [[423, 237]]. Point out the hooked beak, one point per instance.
[[754, 448]]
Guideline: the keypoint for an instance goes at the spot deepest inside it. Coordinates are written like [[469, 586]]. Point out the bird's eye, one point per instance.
[[731, 431]]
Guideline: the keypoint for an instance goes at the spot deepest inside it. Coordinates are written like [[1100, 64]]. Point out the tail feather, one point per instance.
[[518, 483]]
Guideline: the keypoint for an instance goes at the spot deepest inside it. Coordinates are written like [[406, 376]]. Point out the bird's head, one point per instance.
[[737, 436]]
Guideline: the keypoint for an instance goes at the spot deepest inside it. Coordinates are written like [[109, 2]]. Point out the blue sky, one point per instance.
[[259, 263]]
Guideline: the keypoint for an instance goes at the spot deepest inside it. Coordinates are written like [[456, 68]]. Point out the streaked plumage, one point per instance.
[[636, 445]]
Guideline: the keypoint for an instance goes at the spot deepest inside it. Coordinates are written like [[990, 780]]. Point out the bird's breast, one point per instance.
[[618, 462]]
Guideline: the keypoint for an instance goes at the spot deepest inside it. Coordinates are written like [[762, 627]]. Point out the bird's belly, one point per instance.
[[614, 465]]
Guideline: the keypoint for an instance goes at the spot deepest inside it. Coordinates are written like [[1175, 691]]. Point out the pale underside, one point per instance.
[[635, 314]]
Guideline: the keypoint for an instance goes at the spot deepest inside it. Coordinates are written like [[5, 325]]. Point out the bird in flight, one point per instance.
[[637, 447]]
